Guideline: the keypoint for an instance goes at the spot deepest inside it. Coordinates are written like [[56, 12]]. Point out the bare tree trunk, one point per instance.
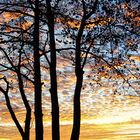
[[27, 106], [79, 80], [24, 134], [53, 75], [14, 116], [37, 77], [77, 108], [12, 113]]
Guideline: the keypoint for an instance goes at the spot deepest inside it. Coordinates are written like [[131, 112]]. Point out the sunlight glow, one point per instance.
[[4, 139], [110, 118]]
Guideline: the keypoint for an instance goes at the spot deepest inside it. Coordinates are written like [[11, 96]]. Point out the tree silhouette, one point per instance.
[[94, 33], [97, 28], [31, 39], [53, 75], [37, 75], [14, 42], [16, 68]]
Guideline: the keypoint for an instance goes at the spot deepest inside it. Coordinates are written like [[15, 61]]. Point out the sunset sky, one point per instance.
[[104, 112], [110, 107]]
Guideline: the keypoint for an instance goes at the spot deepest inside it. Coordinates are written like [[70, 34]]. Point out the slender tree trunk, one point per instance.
[[27, 106], [77, 108], [79, 73], [27, 125], [79, 81], [53, 75], [12, 113], [37, 77], [14, 116], [24, 134]]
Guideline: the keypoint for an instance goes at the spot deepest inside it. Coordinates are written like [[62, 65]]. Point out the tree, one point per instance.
[[53, 75], [21, 37], [37, 76], [95, 27], [33, 40], [96, 30], [16, 68]]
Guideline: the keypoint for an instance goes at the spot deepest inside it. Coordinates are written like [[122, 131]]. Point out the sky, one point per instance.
[[100, 105]]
